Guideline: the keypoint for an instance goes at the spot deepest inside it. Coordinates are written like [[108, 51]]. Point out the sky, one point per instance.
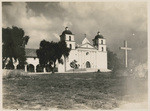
[[116, 21]]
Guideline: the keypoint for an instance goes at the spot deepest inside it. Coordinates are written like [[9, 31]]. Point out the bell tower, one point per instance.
[[68, 37], [99, 42]]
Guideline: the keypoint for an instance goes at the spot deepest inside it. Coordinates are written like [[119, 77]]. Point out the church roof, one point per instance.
[[66, 31], [30, 52], [99, 36]]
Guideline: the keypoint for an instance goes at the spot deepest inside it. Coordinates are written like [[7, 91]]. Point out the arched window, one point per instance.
[[101, 41], [69, 38], [102, 49], [70, 46]]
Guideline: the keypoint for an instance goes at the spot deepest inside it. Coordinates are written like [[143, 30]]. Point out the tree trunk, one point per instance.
[[65, 63], [11, 61], [54, 68]]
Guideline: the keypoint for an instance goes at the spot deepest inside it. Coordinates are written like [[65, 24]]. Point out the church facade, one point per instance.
[[89, 57]]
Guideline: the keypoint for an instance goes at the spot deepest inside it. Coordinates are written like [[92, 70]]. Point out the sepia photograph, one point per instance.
[[63, 55]]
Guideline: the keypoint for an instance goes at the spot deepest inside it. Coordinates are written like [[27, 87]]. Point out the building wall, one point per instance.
[[102, 44], [61, 67], [97, 59], [102, 60], [72, 43], [72, 56], [87, 55], [33, 61], [67, 37]]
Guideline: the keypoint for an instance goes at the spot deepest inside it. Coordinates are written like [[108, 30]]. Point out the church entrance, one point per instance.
[[88, 65]]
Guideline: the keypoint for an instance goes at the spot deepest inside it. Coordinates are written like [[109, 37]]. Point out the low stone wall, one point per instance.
[[13, 73]]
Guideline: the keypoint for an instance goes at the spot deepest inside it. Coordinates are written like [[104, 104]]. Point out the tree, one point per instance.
[[50, 52], [14, 41], [114, 63]]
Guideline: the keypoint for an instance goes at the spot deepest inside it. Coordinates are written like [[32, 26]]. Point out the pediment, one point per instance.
[[87, 45], [85, 41]]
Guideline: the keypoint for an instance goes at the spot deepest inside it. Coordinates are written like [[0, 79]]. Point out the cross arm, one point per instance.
[[125, 48]]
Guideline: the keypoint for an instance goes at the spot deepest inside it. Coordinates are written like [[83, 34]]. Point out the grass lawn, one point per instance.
[[71, 91]]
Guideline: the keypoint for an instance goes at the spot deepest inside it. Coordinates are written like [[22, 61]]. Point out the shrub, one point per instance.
[[13, 73]]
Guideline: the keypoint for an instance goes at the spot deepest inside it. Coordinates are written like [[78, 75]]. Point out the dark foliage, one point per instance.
[[114, 63], [50, 52], [14, 41]]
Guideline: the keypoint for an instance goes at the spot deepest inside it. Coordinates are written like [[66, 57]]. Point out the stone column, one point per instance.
[[15, 66], [15, 63], [25, 68], [35, 68], [44, 70]]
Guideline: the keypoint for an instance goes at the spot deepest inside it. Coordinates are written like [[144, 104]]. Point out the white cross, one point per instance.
[[126, 53]]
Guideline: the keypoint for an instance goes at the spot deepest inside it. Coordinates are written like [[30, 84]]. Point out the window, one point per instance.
[[102, 49], [69, 38], [87, 53], [70, 46], [101, 41]]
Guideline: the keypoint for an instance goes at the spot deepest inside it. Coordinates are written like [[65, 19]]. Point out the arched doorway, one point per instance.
[[30, 68], [88, 65], [39, 68]]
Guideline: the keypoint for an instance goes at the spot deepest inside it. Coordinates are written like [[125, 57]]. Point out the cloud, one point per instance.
[[117, 21], [17, 14], [67, 24], [56, 35]]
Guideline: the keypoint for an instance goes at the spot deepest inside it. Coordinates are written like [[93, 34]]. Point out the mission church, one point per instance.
[[90, 57]]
